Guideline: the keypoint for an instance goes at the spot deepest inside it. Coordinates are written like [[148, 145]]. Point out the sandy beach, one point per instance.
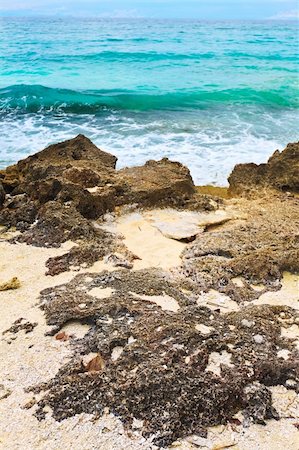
[[143, 242]]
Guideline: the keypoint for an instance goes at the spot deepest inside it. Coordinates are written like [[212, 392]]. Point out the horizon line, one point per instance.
[[96, 17]]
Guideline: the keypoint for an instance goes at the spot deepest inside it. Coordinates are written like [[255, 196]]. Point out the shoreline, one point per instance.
[[139, 287]]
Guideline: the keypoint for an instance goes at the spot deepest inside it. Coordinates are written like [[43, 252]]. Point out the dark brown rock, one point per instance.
[[157, 183], [10, 178], [281, 172], [163, 376], [57, 223], [2, 195], [19, 212], [76, 172], [85, 177], [76, 149]]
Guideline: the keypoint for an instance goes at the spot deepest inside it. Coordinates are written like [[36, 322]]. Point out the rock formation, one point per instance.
[[280, 172], [77, 173]]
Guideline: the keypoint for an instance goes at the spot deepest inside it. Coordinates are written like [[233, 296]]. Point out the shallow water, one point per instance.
[[209, 94]]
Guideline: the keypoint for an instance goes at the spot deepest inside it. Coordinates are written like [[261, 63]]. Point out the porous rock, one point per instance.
[[78, 173], [161, 377], [280, 172], [258, 251], [157, 183]]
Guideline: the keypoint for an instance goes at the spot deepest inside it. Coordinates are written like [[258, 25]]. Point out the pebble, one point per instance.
[[291, 383], [247, 323], [258, 338]]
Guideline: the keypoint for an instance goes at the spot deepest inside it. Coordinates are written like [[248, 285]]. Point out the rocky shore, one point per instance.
[[141, 311]]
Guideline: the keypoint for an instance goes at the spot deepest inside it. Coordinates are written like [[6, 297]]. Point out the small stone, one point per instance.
[[137, 423], [82, 305], [131, 340], [96, 364], [62, 336], [14, 283], [247, 323], [116, 352], [258, 338], [291, 384], [4, 392]]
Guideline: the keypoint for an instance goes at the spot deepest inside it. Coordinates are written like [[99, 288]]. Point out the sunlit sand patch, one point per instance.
[[288, 295], [182, 225], [101, 265], [166, 302], [203, 328], [238, 281], [216, 359], [215, 300], [155, 235], [283, 354], [286, 401], [291, 332], [145, 241], [75, 328], [101, 292]]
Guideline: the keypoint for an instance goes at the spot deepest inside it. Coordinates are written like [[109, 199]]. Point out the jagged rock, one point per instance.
[[79, 173], [258, 251], [57, 223], [19, 212], [76, 149], [157, 183], [280, 172], [84, 177], [9, 178]]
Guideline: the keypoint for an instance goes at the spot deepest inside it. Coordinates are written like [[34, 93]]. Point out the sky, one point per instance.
[[197, 9]]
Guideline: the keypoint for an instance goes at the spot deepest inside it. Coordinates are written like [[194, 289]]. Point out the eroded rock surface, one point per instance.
[[258, 251], [161, 375], [76, 172], [52, 196], [280, 172]]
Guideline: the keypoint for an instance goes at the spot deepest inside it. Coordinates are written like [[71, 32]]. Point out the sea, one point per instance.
[[207, 94]]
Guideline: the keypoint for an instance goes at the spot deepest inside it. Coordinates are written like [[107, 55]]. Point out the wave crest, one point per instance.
[[37, 98]]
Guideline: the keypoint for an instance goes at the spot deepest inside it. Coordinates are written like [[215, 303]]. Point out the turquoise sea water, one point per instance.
[[209, 94]]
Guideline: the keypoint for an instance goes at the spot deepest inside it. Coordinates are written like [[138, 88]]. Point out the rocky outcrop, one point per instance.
[[280, 172], [257, 251], [77, 173], [157, 183]]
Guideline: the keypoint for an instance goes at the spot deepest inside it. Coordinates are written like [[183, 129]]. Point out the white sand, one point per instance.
[[144, 240], [32, 358]]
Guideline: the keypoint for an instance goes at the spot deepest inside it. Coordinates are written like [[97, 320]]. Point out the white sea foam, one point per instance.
[[210, 145]]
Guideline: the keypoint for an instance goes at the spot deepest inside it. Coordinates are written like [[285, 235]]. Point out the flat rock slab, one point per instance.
[[185, 225]]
